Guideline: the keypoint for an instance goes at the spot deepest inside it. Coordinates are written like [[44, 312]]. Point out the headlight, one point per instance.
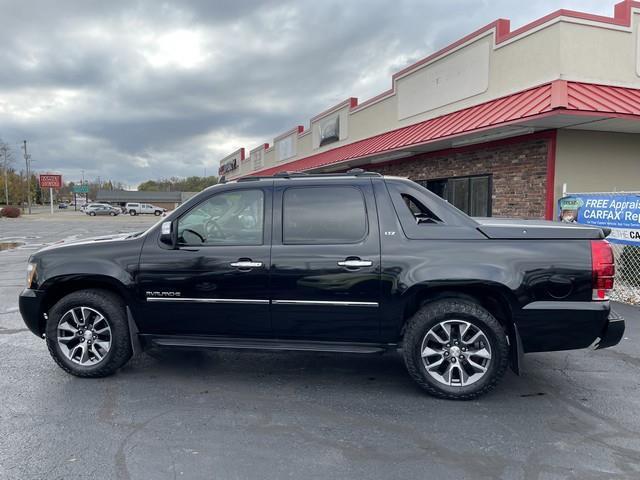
[[31, 274]]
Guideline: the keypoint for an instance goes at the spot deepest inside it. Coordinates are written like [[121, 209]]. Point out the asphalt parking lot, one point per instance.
[[177, 414]]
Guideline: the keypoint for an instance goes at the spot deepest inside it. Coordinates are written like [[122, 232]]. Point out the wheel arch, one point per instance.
[[497, 299], [60, 286]]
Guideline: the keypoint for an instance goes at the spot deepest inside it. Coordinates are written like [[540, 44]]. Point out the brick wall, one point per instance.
[[519, 173]]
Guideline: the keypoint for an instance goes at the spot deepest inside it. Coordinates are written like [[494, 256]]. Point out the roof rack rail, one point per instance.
[[359, 172], [291, 174], [355, 172], [253, 179]]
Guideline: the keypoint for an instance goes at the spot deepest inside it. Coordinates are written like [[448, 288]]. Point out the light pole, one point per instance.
[[27, 159]]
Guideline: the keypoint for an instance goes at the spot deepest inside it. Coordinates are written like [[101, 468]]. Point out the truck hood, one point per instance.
[[515, 229], [87, 241]]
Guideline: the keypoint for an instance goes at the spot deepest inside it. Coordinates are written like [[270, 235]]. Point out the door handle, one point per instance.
[[246, 264], [355, 263]]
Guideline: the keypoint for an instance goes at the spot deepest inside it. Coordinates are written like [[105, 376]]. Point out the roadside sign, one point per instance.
[[618, 211], [50, 181], [81, 189]]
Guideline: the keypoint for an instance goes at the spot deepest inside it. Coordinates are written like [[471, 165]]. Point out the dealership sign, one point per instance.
[[81, 188], [50, 181], [619, 212], [231, 162]]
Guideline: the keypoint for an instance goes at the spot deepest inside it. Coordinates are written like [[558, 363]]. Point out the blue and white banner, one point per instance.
[[619, 212]]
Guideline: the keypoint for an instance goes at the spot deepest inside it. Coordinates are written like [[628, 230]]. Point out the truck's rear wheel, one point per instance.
[[455, 349], [132, 213], [88, 334]]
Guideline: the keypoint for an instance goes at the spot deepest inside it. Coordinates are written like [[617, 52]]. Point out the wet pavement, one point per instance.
[[180, 414]]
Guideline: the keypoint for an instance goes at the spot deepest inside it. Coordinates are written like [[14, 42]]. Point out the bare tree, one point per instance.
[[7, 157]]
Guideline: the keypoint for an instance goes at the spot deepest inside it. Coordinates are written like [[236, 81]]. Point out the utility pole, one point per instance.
[[27, 159], [86, 195], [5, 152]]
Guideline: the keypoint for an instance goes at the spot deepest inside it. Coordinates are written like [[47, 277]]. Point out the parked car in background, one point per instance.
[[94, 210], [142, 208], [88, 206], [81, 203], [63, 205]]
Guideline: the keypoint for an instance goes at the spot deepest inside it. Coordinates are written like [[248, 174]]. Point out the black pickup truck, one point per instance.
[[353, 262]]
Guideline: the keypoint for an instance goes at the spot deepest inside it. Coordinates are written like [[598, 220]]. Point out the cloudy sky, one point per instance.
[[132, 90]]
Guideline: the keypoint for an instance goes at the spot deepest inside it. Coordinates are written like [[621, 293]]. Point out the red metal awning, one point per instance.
[[603, 98], [556, 98]]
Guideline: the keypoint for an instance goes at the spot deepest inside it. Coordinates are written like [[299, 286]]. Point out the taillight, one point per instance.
[[603, 269]]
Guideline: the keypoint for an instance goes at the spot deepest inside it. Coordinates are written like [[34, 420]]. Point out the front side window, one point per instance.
[[230, 218], [323, 215]]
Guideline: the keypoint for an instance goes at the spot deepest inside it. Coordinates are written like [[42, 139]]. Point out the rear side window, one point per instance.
[[323, 215], [421, 214]]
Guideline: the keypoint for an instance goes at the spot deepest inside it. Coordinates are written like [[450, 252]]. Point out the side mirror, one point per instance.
[[168, 234]]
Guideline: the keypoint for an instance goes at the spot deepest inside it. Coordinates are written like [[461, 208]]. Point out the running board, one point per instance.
[[173, 341]]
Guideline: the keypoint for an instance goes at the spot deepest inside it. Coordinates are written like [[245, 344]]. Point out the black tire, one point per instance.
[[112, 308], [93, 214], [113, 214], [459, 309], [132, 212], [157, 213]]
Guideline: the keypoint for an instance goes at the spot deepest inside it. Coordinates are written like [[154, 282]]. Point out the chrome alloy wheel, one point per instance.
[[84, 336], [456, 353]]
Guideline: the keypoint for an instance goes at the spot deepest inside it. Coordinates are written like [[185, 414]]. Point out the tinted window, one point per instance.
[[324, 215], [231, 218], [421, 213]]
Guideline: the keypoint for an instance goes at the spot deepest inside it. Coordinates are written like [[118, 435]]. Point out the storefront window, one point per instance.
[[472, 195]]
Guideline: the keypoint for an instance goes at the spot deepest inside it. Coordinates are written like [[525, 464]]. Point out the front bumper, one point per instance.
[[613, 331], [31, 309]]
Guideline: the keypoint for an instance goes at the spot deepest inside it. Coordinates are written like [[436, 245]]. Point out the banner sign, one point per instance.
[[50, 181], [81, 189], [619, 212]]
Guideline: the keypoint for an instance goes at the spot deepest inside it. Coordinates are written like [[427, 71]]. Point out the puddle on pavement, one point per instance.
[[9, 245]]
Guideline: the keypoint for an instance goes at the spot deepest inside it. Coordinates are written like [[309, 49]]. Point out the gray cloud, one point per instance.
[[137, 90]]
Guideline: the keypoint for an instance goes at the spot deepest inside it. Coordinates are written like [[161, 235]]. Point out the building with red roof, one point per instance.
[[499, 123]]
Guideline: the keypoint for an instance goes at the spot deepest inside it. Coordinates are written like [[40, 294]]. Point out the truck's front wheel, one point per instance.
[[455, 349], [88, 334]]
